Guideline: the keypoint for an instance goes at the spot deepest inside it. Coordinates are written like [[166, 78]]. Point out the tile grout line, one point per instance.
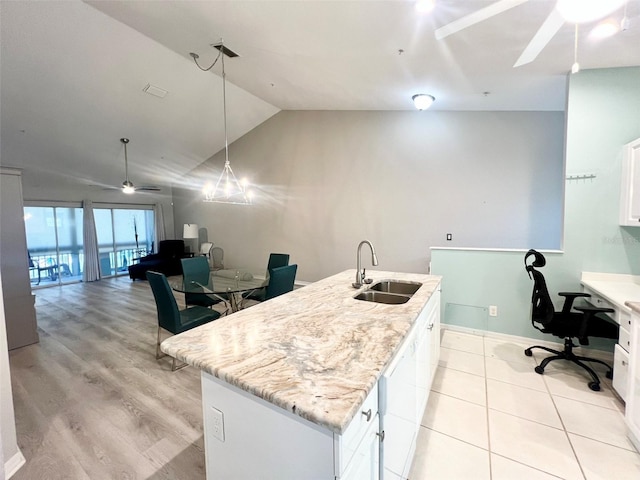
[[564, 427], [486, 401]]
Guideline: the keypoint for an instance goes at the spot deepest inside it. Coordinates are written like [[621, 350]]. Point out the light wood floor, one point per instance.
[[92, 402]]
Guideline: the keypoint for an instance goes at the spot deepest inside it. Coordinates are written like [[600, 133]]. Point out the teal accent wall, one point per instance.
[[603, 114]]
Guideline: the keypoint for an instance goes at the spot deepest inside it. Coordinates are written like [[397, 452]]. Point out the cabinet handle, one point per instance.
[[367, 414], [381, 435], [431, 326], [624, 363]]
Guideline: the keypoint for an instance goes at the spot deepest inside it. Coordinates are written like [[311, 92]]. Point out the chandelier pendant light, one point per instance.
[[227, 189]]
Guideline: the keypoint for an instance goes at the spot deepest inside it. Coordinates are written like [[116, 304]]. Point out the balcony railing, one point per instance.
[[68, 266]]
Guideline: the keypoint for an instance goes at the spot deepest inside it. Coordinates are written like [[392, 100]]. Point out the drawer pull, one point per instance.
[[367, 414], [381, 435]]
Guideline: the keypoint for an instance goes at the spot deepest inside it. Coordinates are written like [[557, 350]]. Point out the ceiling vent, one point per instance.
[[155, 91]]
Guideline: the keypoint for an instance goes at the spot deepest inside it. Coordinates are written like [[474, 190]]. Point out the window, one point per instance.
[[124, 235], [54, 243]]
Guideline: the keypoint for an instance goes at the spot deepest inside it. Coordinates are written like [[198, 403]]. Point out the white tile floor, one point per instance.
[[491, 417]]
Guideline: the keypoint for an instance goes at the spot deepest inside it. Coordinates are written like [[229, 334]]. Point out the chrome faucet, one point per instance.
[[360, 274]]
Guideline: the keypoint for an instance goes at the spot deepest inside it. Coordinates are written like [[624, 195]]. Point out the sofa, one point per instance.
[[166, 261]]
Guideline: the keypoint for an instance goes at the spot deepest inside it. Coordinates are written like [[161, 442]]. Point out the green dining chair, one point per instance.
[[196, 269], [170, 317], [281, 281], [276, 260]]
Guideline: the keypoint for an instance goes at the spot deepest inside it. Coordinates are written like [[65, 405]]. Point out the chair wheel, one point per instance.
[[539, 370], [595, 386], [609, 374], [528, 352]]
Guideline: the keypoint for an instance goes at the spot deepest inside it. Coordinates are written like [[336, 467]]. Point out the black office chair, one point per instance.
[[587, 321]]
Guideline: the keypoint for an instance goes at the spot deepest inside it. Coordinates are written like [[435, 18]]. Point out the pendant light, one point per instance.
[[227, 189]]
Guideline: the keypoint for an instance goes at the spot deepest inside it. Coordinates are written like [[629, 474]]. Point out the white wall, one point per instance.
[[603, 114], [11, 459], [401, 179]]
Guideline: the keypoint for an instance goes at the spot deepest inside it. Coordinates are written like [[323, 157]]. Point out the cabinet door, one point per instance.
[[365, 463], [632, 412], [630, 186], [434, 335], [398, 409], [620, 371]]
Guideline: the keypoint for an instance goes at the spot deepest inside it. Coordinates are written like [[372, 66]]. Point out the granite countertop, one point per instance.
[[316, 352]]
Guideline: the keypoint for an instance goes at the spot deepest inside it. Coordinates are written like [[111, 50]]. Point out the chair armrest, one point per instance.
[[569, 298]]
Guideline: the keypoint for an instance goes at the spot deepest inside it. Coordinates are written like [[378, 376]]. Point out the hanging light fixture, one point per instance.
[[575, 68], [127, 186], [227, 189]]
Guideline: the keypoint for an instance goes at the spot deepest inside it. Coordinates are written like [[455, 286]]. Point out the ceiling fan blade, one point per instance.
[[477, 17], [148, 188], [543, 36]]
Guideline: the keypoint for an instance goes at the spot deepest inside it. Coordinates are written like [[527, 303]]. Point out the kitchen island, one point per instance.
[[295, 387]]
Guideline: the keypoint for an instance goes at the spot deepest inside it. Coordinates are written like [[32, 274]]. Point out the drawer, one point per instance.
[[624, 338], [620, 371], [625, 321], [347, 444]]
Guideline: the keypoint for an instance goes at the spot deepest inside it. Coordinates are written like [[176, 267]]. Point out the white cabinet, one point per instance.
[[398, 410], [404, 390], [630, 186], [365, 463], [247, 437], [632, 411], [622, 316]]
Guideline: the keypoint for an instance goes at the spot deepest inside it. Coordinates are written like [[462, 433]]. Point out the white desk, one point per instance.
[[612, 290]]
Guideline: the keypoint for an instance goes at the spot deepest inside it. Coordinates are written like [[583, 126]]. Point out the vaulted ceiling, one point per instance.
[[73, 73]]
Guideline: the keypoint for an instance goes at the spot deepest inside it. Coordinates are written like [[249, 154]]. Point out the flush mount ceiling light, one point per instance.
[[422, 101], [227, 189]]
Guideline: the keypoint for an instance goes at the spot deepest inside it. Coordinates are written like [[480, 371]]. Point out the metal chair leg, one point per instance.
[[159, 353], [174, 367]]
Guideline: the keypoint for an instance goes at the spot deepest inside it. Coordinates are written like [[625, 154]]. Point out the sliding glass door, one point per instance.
[[55, 241], [124, 235], [54, 244]]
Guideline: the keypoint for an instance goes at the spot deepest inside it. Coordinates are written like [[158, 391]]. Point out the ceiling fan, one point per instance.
[[127, 186], [573, 11]]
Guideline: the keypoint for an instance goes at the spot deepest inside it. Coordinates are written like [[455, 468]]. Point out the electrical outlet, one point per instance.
[[449, 237], [493, 311], [217, 424]]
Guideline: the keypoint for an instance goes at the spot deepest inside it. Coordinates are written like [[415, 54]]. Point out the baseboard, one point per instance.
[[579, 350], [12, 465]]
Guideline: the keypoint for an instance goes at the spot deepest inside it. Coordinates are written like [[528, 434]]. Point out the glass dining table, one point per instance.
[[230, 286]]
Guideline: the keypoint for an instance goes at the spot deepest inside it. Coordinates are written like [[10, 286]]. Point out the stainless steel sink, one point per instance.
[[382, 297], [396, 286]]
